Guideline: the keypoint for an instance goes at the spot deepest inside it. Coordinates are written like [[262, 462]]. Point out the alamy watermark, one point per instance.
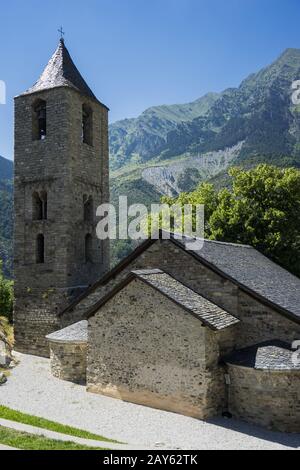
[[296, 92], [136, 222], [2, 92]]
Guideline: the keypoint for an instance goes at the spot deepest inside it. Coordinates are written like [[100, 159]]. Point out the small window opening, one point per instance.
[[40, 249], [44, 199], [88, 248], [39, 124], [88, 209], [87, 125], [39, 206]]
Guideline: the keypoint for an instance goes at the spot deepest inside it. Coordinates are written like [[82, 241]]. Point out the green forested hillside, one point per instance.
[[6, 214]]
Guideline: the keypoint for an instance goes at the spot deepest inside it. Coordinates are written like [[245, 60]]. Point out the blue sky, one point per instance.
[[139, 53]]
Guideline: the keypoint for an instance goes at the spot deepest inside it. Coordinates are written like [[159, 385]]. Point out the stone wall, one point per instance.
[[268, 398], [258, 322], [35, 316], [68, 361], [146, 349], [164, 255], [66, 169], [227, 339]]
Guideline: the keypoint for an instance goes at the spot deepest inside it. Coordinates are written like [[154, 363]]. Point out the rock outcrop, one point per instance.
[[167, 179], [5, 350]]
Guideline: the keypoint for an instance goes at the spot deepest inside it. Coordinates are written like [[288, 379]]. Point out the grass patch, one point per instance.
[[5, 372], [17, 416], [7, 329], [25, 441]]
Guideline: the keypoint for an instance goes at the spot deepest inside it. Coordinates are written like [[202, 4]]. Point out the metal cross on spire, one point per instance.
[[62, 33]]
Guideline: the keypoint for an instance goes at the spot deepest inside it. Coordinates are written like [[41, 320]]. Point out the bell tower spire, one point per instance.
[[61, 177]]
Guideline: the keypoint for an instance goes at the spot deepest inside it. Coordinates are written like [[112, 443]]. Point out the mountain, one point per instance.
[[143, 138], [172, 148], [6, 214], [6, 169]]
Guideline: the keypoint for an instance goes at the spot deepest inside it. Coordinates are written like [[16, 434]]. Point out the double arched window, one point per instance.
[[39, 122]]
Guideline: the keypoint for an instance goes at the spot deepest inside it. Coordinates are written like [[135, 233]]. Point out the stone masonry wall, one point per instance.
[[145, 349], [68, 361], [166, 256], [268, 398], [258, 322], [36, 317], [66, 169]]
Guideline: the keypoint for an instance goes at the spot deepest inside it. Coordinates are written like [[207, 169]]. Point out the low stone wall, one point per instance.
[[68, 361], [267, 398]]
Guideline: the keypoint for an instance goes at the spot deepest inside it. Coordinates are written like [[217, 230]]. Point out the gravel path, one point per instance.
[[32, 389]]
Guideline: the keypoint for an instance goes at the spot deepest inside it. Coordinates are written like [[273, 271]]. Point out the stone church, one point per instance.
[[197, 332]]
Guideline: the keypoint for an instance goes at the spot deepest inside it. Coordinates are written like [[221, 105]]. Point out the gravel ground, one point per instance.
[[32, 389]]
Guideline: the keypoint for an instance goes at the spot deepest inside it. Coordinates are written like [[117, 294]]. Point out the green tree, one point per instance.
[[6, 296], [262, 210]]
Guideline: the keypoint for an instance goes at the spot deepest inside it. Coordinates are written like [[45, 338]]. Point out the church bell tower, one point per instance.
[[61, 177]]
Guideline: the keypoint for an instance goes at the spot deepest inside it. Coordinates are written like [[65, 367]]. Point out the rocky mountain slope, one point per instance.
[[139, 140], [185, 173], [253, 123]]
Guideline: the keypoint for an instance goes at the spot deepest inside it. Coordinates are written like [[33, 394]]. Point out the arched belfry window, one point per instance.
[[88, 248], [39, 120], [87, 125], [39, 206], [88, 209], [40, 249]]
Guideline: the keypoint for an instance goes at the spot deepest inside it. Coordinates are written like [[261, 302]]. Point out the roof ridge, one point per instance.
[[283, 307], [181, 237], [237, 245], [207, 240]]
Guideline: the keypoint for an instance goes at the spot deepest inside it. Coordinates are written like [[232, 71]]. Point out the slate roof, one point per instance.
[[273, 355], [210, 314], [76, 333], [254, 271], [246, 267], [61, 72]]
